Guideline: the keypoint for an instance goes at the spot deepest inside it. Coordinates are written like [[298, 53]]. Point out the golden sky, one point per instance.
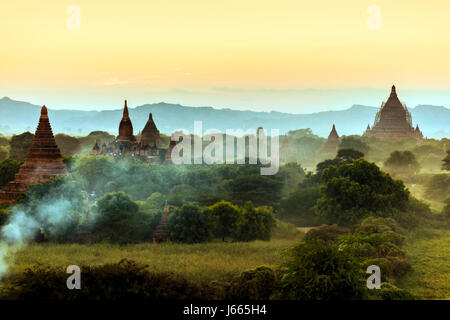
[[155, 49]]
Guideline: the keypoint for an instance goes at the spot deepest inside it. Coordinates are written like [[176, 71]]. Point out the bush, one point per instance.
[[390, 292], [256, 284], [392, 267], [126, 280], [326, 233], [317, 271]]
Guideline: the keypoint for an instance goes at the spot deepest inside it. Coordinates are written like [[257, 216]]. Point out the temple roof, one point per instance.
[[393, 101], [333, 134], [126, 127], [150, 134]]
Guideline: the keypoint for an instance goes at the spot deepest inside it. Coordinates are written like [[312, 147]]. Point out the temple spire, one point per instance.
[[393, 92], [125, 111]]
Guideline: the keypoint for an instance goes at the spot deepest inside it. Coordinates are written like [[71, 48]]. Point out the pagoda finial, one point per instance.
[[393, 91], [150, 117], [125, 110], [44, 114]]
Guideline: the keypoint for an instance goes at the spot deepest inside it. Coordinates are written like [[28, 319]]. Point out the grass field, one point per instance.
[[429, 255], [203, 262], [428, 251]]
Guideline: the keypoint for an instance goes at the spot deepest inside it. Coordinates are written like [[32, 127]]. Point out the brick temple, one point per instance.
[[125, 145], [43, 162], [393, 120]]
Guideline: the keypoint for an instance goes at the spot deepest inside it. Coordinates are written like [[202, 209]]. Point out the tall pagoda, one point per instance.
[[43, 162], [125, 127], [161, 233], [393, 120], [332, 142]]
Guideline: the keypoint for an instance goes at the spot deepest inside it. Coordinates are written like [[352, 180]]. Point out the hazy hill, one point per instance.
[[17, 116]]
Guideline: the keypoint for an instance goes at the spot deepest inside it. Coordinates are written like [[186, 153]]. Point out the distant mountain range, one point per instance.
[[18, 116]]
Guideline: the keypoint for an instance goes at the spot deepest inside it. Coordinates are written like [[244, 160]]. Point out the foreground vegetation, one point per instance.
[[389, 212], [203, 262], [428, 251]]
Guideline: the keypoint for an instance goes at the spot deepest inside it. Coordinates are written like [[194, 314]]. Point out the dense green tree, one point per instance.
[[351, 192], [96, 171], [227, 216], [19, 145], [438, 187], [191, 224], [317, 271], [401, 162], [292, 174], [255, 223], [8, 168], [180, 194], [68, 145], [261, 190], [354, 143], [118, 220], [348, 155], [298, 207]]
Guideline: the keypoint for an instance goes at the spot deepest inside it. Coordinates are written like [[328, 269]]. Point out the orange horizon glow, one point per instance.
[[198, 45]]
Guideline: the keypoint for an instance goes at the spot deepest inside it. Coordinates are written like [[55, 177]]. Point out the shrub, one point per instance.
[[326, 233], [256, 284], [389, 291], [317, 271], [392, 267], [126, 280]]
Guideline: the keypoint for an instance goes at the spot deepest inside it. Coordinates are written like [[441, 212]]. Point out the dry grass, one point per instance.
[[429, 255], [202, 262]]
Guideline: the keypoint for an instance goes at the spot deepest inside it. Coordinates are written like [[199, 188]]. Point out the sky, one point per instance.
[[288, 56]]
